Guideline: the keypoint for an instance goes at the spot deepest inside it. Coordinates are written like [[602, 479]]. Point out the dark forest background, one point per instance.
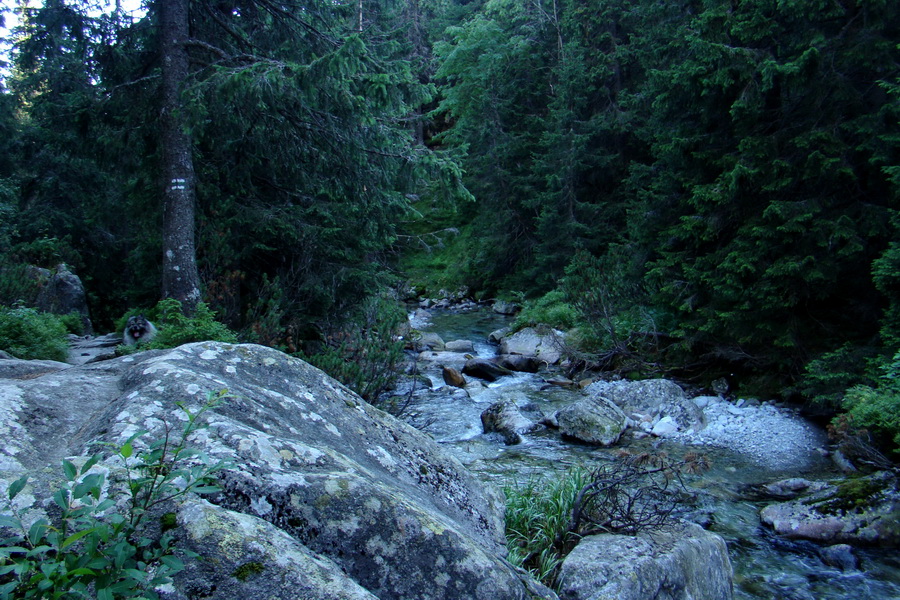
[[698, 187]]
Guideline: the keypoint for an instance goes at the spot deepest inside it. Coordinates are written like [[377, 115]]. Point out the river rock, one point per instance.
[[542, 343], [484, 369], [420, 319], [858, 511], [444, 359], [840, 556], [517, 362], [429, 341], [594, 420], [495, 337], [682, 562], [502, 307], [505, 418], [361, 499], [459, 346], [453, 377], [656, 398]]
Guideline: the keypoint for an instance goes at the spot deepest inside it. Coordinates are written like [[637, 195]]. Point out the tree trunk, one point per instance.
[[180, 278]]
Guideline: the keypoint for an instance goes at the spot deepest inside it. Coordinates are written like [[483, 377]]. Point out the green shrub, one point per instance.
[[19, 283], [366, 353], [92, 551], [877, 411], [550, 309], [28, 334], [73, 323], [176, 329]]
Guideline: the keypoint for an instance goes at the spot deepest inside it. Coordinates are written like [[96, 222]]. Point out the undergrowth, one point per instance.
[[99, 543]]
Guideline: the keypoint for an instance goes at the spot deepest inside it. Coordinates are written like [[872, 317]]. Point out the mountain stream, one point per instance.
[[765, 566]]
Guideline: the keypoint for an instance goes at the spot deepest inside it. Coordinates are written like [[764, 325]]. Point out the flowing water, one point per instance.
[[765, 567]]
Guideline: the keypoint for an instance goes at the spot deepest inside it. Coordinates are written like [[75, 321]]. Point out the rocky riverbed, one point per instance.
[[750, 443]]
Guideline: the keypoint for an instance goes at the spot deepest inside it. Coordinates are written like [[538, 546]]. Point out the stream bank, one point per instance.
[[767, 443]]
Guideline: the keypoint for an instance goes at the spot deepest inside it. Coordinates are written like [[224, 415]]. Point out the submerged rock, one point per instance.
[[683, 562], [859, 511], [326, 496]]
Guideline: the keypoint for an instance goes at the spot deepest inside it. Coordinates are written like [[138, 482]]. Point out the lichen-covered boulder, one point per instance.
[[683, 562], [544, 344], [594, 420], [359, 497], [655, 398]]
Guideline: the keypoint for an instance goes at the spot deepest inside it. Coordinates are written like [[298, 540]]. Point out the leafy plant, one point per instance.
[[553, 308], [366, 354], [91, 549], [28, 334], [176, 329]]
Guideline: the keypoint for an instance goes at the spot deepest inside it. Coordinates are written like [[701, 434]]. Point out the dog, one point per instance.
[[138, 330]]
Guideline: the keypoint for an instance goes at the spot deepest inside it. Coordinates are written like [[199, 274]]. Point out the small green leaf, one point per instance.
[[83, 571], [90, 463], [36, 531], [16, 486], [173, 562], [126, 450], [70, 470], [75, 537]]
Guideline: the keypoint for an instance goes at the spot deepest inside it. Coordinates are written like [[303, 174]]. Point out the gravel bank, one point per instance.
[[777, 438]]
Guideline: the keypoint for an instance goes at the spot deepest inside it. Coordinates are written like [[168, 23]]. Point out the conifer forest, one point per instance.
[[699, 188]]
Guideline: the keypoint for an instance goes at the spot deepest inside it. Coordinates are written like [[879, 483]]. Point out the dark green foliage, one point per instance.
[[876, 409], [176, 329], [734, 164], [550, 309], [366, 352], [28, 334], [90, 549]]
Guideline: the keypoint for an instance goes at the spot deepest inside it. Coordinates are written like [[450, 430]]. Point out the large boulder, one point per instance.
[[326, 496], [653, 399], [683, 562], [62, 293], [544, 344], [594, 420]]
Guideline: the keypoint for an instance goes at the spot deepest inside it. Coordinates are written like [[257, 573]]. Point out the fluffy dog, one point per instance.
[[138, 330]]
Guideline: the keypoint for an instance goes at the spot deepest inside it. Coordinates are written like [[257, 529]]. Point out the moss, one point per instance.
[[168, 521], [248, 570], [853, 495]]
